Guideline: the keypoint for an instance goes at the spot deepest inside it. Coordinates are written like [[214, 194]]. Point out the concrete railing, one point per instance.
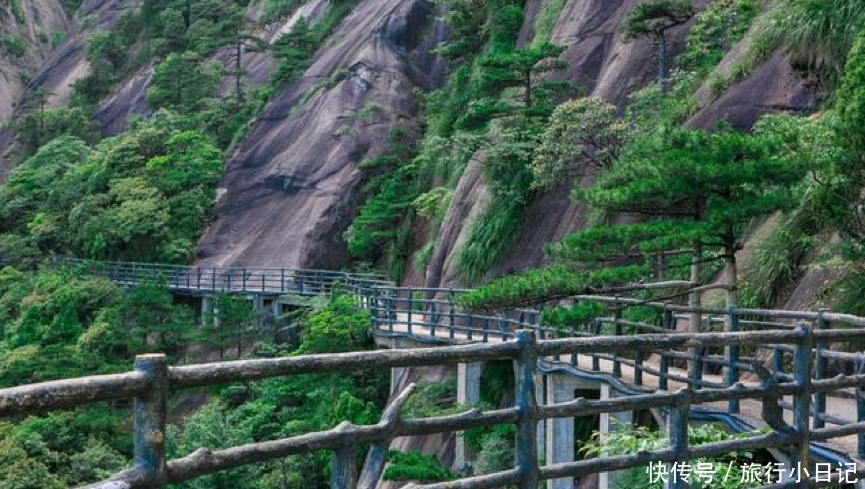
[[433, 315], [152, 379]]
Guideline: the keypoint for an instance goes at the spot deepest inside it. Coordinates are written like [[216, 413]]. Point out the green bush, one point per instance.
[[12, 46], [415, 466]]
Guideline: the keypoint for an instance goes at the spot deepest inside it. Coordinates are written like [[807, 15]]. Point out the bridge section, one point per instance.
[[766, 369]]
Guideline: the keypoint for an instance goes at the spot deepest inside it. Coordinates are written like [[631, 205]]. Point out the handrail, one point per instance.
[[753, 339], [152, 379]]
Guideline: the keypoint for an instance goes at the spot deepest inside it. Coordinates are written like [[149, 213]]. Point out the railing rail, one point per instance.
[[779, 362], [152, 379]]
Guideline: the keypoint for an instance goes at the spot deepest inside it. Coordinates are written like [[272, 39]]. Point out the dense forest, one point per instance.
[[668, 201]]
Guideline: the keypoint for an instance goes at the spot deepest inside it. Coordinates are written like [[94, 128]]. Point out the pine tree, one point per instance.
[[653, 19], [293, 49], [519, 69], [692, 189]]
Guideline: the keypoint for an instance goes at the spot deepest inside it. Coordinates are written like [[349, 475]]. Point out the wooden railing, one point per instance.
[[152, 378]]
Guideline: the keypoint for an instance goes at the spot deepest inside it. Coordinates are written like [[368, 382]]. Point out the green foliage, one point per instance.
[[491, 235], [15, 6], [112, 55], [341, 327], [382, 229], [142, 195], [625, 441], [566, 319], [293, 50], [583, 135], [230, 323], [654, 17], [817, 35], [12, 46], [212, 427], [546, 20], [777, 262], [274, 9], [181, 82], [431, 399], [693, 187], [717, 28], [528, 288], [415, 466], [496, 451], [42, 125]]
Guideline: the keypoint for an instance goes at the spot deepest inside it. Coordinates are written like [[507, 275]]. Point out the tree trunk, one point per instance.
[[731, 277], [695, 298]]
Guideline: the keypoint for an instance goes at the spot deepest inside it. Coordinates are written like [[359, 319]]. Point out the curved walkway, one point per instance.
[[432, 316]]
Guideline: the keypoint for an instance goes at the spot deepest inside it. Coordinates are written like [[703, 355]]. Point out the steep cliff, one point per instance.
[[599, 61], [293, 186]]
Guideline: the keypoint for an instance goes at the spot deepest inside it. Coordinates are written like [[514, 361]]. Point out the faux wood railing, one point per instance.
[[787, 351], [152, 379]]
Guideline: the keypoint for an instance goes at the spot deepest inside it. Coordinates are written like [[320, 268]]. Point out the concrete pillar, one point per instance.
[[560, 431], [468, 392], [540, 395], [611, 422], [396, 374], [258, 310], [206, 314]]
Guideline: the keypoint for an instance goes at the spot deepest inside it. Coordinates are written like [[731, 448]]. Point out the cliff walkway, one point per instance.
[[765, 370]]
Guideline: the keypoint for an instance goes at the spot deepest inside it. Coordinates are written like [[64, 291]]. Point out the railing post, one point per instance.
[[617, 331], [410, 307], [819, 373], [802, 363], [243, 280], [389, 310], [451, 313], [677, 433], [732, 358], [638, 367], [149, 413], [526, 442], [697, 366], [664, 376], [596, 362], [777, 362], [282, 280], [860, 410]]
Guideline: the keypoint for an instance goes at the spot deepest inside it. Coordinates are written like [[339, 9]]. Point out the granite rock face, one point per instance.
[[293, 186]]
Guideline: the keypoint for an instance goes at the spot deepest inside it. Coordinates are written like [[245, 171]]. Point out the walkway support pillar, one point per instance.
[[610, 422], [206, 314], [468, 392], [396, 374], [560, 431], [258, 310], [540, 394]]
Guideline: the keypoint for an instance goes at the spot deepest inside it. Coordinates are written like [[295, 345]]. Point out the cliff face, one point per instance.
[[292, 186], [27, 31], [605, 67]]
